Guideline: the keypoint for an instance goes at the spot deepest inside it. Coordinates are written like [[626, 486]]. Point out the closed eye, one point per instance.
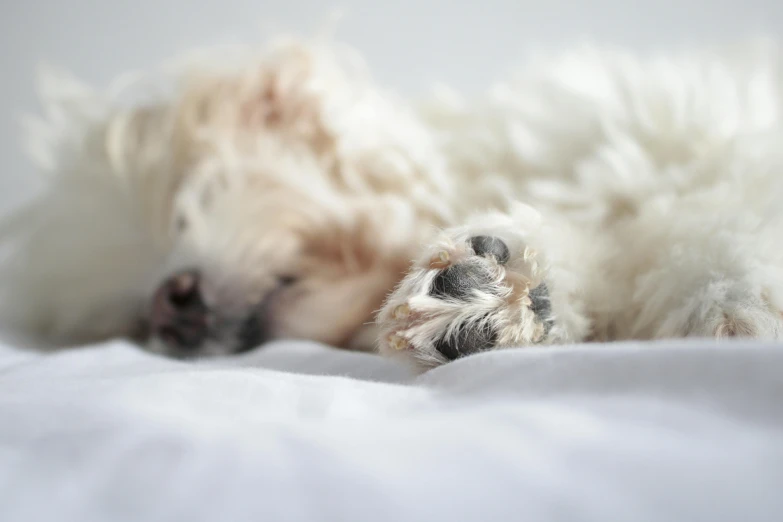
[[287, 280]]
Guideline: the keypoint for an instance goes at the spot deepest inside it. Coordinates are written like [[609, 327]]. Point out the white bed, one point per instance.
[[297, 431]]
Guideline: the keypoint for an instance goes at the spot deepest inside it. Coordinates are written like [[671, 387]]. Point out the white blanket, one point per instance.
[[636, 432]]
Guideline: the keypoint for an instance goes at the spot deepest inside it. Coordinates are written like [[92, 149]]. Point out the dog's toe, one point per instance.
[[467, 340], [541, 306], [490, 246], [459, 281]]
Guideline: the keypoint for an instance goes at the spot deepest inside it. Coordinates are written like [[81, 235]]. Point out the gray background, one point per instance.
[[409, 44]]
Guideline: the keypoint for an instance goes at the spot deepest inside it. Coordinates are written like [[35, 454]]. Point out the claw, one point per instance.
[[402, 312], [440, 260], [397, 342]]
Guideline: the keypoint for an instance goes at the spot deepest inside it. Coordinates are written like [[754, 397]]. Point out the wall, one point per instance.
[[409, 44]]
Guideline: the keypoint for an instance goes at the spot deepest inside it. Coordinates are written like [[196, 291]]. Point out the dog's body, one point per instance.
[[597, 196]]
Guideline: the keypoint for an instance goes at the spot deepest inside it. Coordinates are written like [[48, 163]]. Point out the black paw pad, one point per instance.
[[467, 341], [458, 281], [542, 306], [488, 245]]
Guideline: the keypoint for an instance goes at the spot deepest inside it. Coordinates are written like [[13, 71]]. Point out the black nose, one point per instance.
[[179, 316]]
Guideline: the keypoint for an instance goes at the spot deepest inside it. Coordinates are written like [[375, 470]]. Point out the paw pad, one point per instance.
[[459, 281], [539, 301], [490, 246], [467, 340]]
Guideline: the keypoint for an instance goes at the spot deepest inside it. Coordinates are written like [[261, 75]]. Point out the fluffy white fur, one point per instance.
[[645, 191]]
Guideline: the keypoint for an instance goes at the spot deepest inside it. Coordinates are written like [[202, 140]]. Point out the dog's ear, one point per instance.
[[303, 90], [68, 106]]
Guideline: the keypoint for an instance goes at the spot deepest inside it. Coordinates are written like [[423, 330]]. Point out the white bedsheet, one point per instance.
[[667, 432]]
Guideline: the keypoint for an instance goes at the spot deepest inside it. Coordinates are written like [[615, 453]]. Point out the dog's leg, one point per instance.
[[500, 281], [717, 287]]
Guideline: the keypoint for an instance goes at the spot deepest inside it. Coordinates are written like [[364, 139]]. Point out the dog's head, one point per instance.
[[281, 198]]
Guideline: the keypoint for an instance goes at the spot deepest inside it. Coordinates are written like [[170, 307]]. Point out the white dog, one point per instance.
[[280, 193]]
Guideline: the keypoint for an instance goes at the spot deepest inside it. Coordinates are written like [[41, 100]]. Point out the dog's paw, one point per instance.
[[475, 289]]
